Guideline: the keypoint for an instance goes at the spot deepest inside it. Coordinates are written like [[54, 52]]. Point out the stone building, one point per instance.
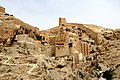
[[59, 49], [28, 42], [76, 38], [81, 28]]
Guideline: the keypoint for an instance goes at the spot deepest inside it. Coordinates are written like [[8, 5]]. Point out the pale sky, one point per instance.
[[45, 13]]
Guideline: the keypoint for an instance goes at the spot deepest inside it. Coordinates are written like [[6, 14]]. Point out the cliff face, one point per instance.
[[69, 51]]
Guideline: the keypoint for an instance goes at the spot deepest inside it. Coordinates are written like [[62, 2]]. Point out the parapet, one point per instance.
[[2, 9]]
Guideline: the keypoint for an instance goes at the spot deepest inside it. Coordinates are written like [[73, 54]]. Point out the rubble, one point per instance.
[[69, 51]]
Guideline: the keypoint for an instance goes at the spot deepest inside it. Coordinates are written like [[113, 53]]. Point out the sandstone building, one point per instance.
[[70, 37]]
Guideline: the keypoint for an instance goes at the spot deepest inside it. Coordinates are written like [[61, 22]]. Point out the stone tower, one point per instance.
[[2, 9], [62, 21]]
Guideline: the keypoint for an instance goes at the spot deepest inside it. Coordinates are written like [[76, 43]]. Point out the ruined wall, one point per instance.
[[28, 42]]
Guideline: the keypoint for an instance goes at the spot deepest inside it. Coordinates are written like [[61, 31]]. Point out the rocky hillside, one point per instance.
[[105, 59], [11, 26], [27, 53]]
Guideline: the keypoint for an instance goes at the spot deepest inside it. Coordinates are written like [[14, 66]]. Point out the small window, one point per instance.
[[43, 38], [70, 45], [63, 25], [61, 28], [80, 38], [58, 48], [79, 29]]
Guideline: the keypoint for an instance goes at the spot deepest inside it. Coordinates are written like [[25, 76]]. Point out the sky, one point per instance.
[[45, 13]]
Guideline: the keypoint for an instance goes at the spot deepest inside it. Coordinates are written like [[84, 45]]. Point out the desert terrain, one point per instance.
[[69, 51]]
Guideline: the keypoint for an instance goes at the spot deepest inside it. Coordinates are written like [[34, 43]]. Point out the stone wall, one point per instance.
[[59, 50]]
